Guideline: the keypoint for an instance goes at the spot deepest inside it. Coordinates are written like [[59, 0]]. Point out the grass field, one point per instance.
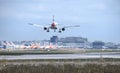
[[56, 51], [60, 68]]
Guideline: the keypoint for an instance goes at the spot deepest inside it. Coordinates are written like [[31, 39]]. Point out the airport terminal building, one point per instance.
[[55, 42]]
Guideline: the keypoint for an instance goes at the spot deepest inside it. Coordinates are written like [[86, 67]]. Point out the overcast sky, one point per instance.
[[99, 19]]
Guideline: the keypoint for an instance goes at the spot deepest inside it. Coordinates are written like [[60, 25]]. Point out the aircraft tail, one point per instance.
[[53, 18]]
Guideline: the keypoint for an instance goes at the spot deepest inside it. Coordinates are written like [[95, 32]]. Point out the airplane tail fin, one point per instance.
[[53, 18]]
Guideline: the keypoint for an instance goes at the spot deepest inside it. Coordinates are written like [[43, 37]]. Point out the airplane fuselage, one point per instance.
[[53, 26]]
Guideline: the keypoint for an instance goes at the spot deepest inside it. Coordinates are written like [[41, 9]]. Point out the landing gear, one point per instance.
[[54, 30], [59, 31], [48, 30]]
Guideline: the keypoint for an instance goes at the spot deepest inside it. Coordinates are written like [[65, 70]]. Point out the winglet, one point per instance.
[[30, 23], [77, 25]]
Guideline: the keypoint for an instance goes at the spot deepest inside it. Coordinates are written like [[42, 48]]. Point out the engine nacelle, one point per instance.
[[45, 28], [63, 29]]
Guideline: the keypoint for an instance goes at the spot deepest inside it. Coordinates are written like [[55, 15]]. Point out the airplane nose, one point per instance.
[[53, 25]]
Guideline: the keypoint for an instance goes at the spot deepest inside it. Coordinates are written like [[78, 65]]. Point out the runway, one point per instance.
[[61, 56]]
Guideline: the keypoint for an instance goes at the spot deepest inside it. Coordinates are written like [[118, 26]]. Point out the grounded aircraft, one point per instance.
[[54, 26]]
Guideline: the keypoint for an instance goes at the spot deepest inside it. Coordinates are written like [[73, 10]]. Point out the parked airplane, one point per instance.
[[54, 26]]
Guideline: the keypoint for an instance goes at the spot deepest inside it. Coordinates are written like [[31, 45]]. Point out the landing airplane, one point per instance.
[[54, 26]]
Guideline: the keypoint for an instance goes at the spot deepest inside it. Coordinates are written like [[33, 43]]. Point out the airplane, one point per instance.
[[54, 26]]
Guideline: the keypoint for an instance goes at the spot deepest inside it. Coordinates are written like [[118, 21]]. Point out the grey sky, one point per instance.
[[99, 19]]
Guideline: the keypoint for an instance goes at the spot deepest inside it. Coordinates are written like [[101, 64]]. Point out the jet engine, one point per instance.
[[45, 28], [63, 29]]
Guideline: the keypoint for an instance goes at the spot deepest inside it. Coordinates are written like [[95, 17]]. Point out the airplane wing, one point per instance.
[[71, 26], [44, 27], [36, 25], [40, 26], [64, 27]]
